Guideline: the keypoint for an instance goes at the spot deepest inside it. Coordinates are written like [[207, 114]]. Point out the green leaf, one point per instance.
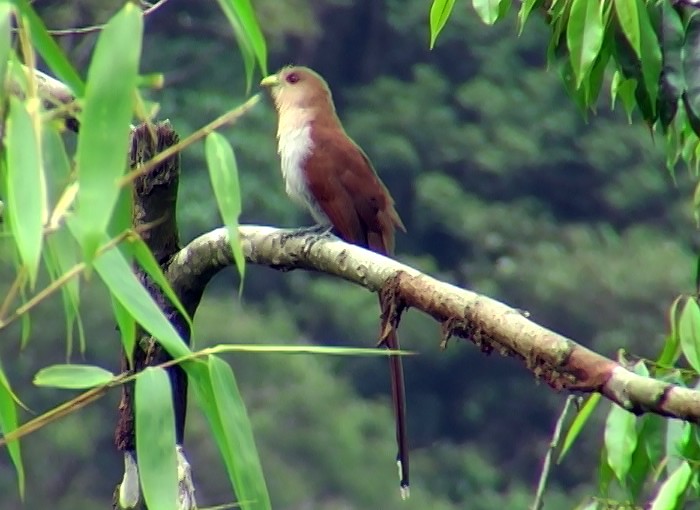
[[676, 437], [73, 376], [620, 441], [594, 82], [127, 329], [651, 63], [250, 39], [116, 273], [6, 12], [628, 16], [672, 491], [689, 331], [155, 439], [49, 50], [243, 463], [104, 133], [8, 423], [27, 202], [223, 173], [584, 36], [672, 74], [524, 13], [691, 59], [487, 10], [578, 424], [439, 14], [672, 346], [143, 255]]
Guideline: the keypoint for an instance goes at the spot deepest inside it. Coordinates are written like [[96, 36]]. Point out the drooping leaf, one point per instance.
[[689, 332], [127, 328], [524, 13], [672, 35], [223, 173], [246, 473], [584, 36], [628, 17], [620, 441], [8, 423], [672, 346], [633, 80], [672, 490], [676, 436], [250, 38], [49, 50], [578, 424], [107, 112], [651, 63], [440, 12], [487, 10], [116, 273], [155, 439], [73, 376], [27, 202]]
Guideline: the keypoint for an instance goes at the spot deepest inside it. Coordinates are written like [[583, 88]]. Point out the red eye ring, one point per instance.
[[292, 78]]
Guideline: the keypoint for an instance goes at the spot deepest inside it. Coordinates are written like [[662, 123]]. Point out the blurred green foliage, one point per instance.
[[504, 187]]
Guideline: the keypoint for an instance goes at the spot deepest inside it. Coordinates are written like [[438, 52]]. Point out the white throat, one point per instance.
[[294, 147]]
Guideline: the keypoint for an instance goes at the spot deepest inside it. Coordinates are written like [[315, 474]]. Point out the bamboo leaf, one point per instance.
[[8, 423], [73, 376], [155, 439], [440, 12], [577, 425], [107, 112]]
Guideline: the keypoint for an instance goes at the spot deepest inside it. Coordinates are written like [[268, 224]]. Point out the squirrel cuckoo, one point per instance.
[[325, 171]]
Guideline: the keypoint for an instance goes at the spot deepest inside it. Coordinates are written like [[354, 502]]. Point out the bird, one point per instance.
[[325, 171]]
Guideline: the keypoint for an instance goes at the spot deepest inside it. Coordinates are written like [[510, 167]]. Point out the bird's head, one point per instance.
[[296, 89]]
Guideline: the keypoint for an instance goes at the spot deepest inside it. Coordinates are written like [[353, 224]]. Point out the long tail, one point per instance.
[[398, 395]]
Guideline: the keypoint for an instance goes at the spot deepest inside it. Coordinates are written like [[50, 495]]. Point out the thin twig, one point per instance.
[[96, 28], [227, 118], [546, 467]]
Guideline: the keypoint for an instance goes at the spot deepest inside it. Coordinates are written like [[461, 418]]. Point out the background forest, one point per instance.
[[505, 188]]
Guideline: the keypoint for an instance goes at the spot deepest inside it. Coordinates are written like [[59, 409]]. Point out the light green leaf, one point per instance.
[[524, 13], [127, 329], [651, 63], [73, 376], [672, 491], [143, 255], [676, 437], [672, 345], [620, 441], [247, 31], [104, 133], [155, 439], [8, 423], [584, 36], [578, 424], [689, 332], [244, 466], [27, 203], [116, 272], [487, 10], [6, 12], [49, 50], [223, 173], [628, 16], [439, 14]]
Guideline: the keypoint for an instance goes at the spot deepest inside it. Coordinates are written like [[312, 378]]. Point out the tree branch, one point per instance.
[[559, 361]]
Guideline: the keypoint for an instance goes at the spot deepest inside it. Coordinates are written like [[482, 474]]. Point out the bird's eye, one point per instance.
[[292, 78]]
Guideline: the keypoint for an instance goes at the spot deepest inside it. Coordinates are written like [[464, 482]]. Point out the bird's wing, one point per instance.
[[349, 191]]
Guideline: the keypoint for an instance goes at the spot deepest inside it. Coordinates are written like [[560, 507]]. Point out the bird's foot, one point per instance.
[[319, 230]]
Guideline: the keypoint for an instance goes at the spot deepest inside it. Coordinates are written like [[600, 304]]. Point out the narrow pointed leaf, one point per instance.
[[487, 10], [127, 329], [155, 439], [247, 33], [49, 49], [672, 491], [672, 74], [440, 12], [584, 36], [73, 376], [107, 112], [27, 206], [8, 423], [628, 16], [116, 273], [577, 425], [689, 332], [223, 173], [246, 473], [524, 13], [651, 63]]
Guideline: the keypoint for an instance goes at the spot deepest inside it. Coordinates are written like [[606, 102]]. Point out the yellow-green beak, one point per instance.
[[270, 81]]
